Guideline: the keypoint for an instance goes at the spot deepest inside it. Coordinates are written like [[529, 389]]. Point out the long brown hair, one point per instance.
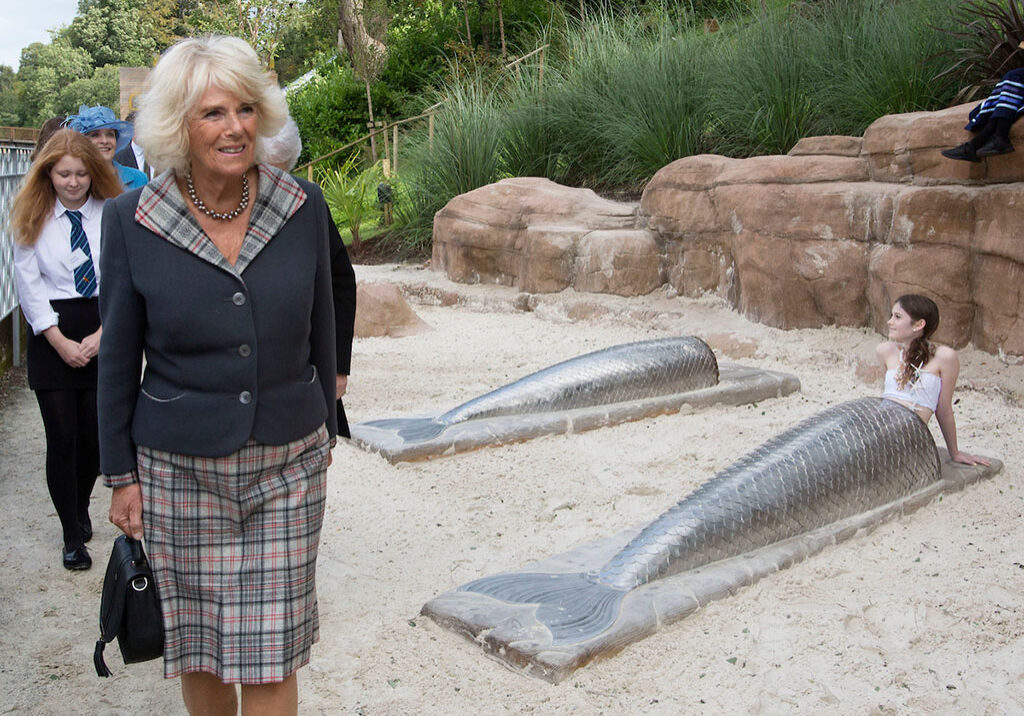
[[50, 126], [920, 350], [36, 198]]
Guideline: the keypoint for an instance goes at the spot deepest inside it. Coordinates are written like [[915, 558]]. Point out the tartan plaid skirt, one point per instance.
[[233, 544]]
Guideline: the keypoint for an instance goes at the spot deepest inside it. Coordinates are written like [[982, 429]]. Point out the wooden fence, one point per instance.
[[19, 135], [391, 144]]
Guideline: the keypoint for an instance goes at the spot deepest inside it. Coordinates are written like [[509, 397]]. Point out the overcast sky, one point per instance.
[[23, 22]]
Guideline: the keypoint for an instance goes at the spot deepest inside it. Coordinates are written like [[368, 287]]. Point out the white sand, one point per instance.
[[924, 615]]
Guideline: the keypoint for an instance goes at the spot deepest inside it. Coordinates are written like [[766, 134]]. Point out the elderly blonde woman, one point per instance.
[[218, 272]]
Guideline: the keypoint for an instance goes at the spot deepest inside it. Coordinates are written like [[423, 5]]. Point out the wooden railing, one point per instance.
[[382, 128], [21, 135]]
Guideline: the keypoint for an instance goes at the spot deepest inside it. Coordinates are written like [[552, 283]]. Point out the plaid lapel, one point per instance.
[[163, 211], [279, 197]]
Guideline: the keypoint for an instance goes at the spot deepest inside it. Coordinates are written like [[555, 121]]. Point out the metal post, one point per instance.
[[16, 335], [394, 149]]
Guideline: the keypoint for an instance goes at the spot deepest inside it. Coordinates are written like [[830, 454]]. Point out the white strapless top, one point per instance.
[[923, 390]]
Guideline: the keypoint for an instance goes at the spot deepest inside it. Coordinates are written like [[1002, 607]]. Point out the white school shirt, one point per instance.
[[44, 271]]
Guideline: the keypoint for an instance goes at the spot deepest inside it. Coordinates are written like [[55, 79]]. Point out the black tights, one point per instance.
[[996, 126], [72, 456]]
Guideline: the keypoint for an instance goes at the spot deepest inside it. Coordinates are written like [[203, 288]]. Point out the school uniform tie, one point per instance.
[[85, 273]]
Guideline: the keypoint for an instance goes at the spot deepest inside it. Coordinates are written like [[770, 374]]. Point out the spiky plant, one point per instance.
[[989, 36]]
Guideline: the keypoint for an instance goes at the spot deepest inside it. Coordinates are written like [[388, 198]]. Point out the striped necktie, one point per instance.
[[85, 273]]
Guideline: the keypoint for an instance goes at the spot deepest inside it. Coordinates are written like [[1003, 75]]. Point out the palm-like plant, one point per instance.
[[989, 37], [350, 195]]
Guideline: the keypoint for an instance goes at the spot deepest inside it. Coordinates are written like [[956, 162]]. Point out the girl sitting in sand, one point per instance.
[[921, 375]]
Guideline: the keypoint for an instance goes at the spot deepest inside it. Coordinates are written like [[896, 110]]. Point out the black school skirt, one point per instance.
[[77, 318]]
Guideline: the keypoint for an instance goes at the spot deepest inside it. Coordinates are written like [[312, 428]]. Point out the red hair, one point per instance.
[[36, 198]]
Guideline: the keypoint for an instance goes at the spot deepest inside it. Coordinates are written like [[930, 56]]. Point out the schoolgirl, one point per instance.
[[56, 223]]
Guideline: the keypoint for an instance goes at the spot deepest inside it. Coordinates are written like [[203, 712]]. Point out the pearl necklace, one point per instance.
[[226, 216]]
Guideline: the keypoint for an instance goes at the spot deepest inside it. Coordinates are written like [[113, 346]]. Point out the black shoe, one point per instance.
[[965, 153], [995, 145], [77, 558]]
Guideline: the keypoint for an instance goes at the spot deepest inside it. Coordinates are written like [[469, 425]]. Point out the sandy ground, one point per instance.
[[923, 615]]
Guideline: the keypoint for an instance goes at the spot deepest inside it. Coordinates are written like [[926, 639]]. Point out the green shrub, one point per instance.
[[413, 214], [330, 110], [828, 68], [625, 96], [649, 109]]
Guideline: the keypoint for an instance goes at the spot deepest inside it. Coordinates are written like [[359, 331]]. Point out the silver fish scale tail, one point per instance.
[[632, 371], [846, 460]]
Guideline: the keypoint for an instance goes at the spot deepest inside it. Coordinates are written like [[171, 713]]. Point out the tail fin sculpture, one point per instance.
[[411, 429], [572, 606]]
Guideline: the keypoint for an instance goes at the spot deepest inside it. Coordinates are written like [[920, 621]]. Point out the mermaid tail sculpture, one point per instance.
[[846, 460], [613, 375]]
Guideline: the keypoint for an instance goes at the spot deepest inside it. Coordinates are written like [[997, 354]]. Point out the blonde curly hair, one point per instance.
[[178, 82]]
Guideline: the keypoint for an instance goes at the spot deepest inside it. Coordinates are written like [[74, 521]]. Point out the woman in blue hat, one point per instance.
[[109, 135]]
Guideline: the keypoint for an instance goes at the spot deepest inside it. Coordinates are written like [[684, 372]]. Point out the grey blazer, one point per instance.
[[232, 352]]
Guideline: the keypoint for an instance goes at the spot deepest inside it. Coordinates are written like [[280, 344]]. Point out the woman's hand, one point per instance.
[[91, 344], [968, 459], [69, 351], [126, 510], [340, 385]]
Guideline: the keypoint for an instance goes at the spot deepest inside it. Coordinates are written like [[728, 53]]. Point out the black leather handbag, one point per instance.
[[129, 607]]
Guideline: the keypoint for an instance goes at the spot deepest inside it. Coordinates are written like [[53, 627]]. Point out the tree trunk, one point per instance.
[[485, 31], [465, 13], [372, 127], [352, 36], [501, 29]]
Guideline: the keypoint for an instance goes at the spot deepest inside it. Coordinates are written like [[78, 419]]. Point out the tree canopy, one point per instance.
[[79, 64]]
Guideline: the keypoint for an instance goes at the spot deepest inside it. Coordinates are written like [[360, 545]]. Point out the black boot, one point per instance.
[[965, 153], [76, 558], [994, 146]]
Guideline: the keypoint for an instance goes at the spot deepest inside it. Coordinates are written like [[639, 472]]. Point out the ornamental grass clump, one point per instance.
[[761, 95], [877, 58], [465, 153]]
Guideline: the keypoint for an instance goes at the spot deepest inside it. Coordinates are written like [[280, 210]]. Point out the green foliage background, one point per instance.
[[628, 85], [627, 93]]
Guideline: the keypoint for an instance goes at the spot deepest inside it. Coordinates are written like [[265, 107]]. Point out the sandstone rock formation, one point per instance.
[[830, 234], [543, 237], [381, 310]]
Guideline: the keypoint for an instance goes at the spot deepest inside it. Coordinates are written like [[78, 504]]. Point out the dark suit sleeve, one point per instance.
[[127, 157], [343, 281], [322, 321], [123, 316]]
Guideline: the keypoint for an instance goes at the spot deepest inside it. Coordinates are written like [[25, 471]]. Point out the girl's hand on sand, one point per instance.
[[968, 459]]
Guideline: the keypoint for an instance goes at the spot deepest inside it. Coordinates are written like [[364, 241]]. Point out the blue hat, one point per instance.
[[90, 119]]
